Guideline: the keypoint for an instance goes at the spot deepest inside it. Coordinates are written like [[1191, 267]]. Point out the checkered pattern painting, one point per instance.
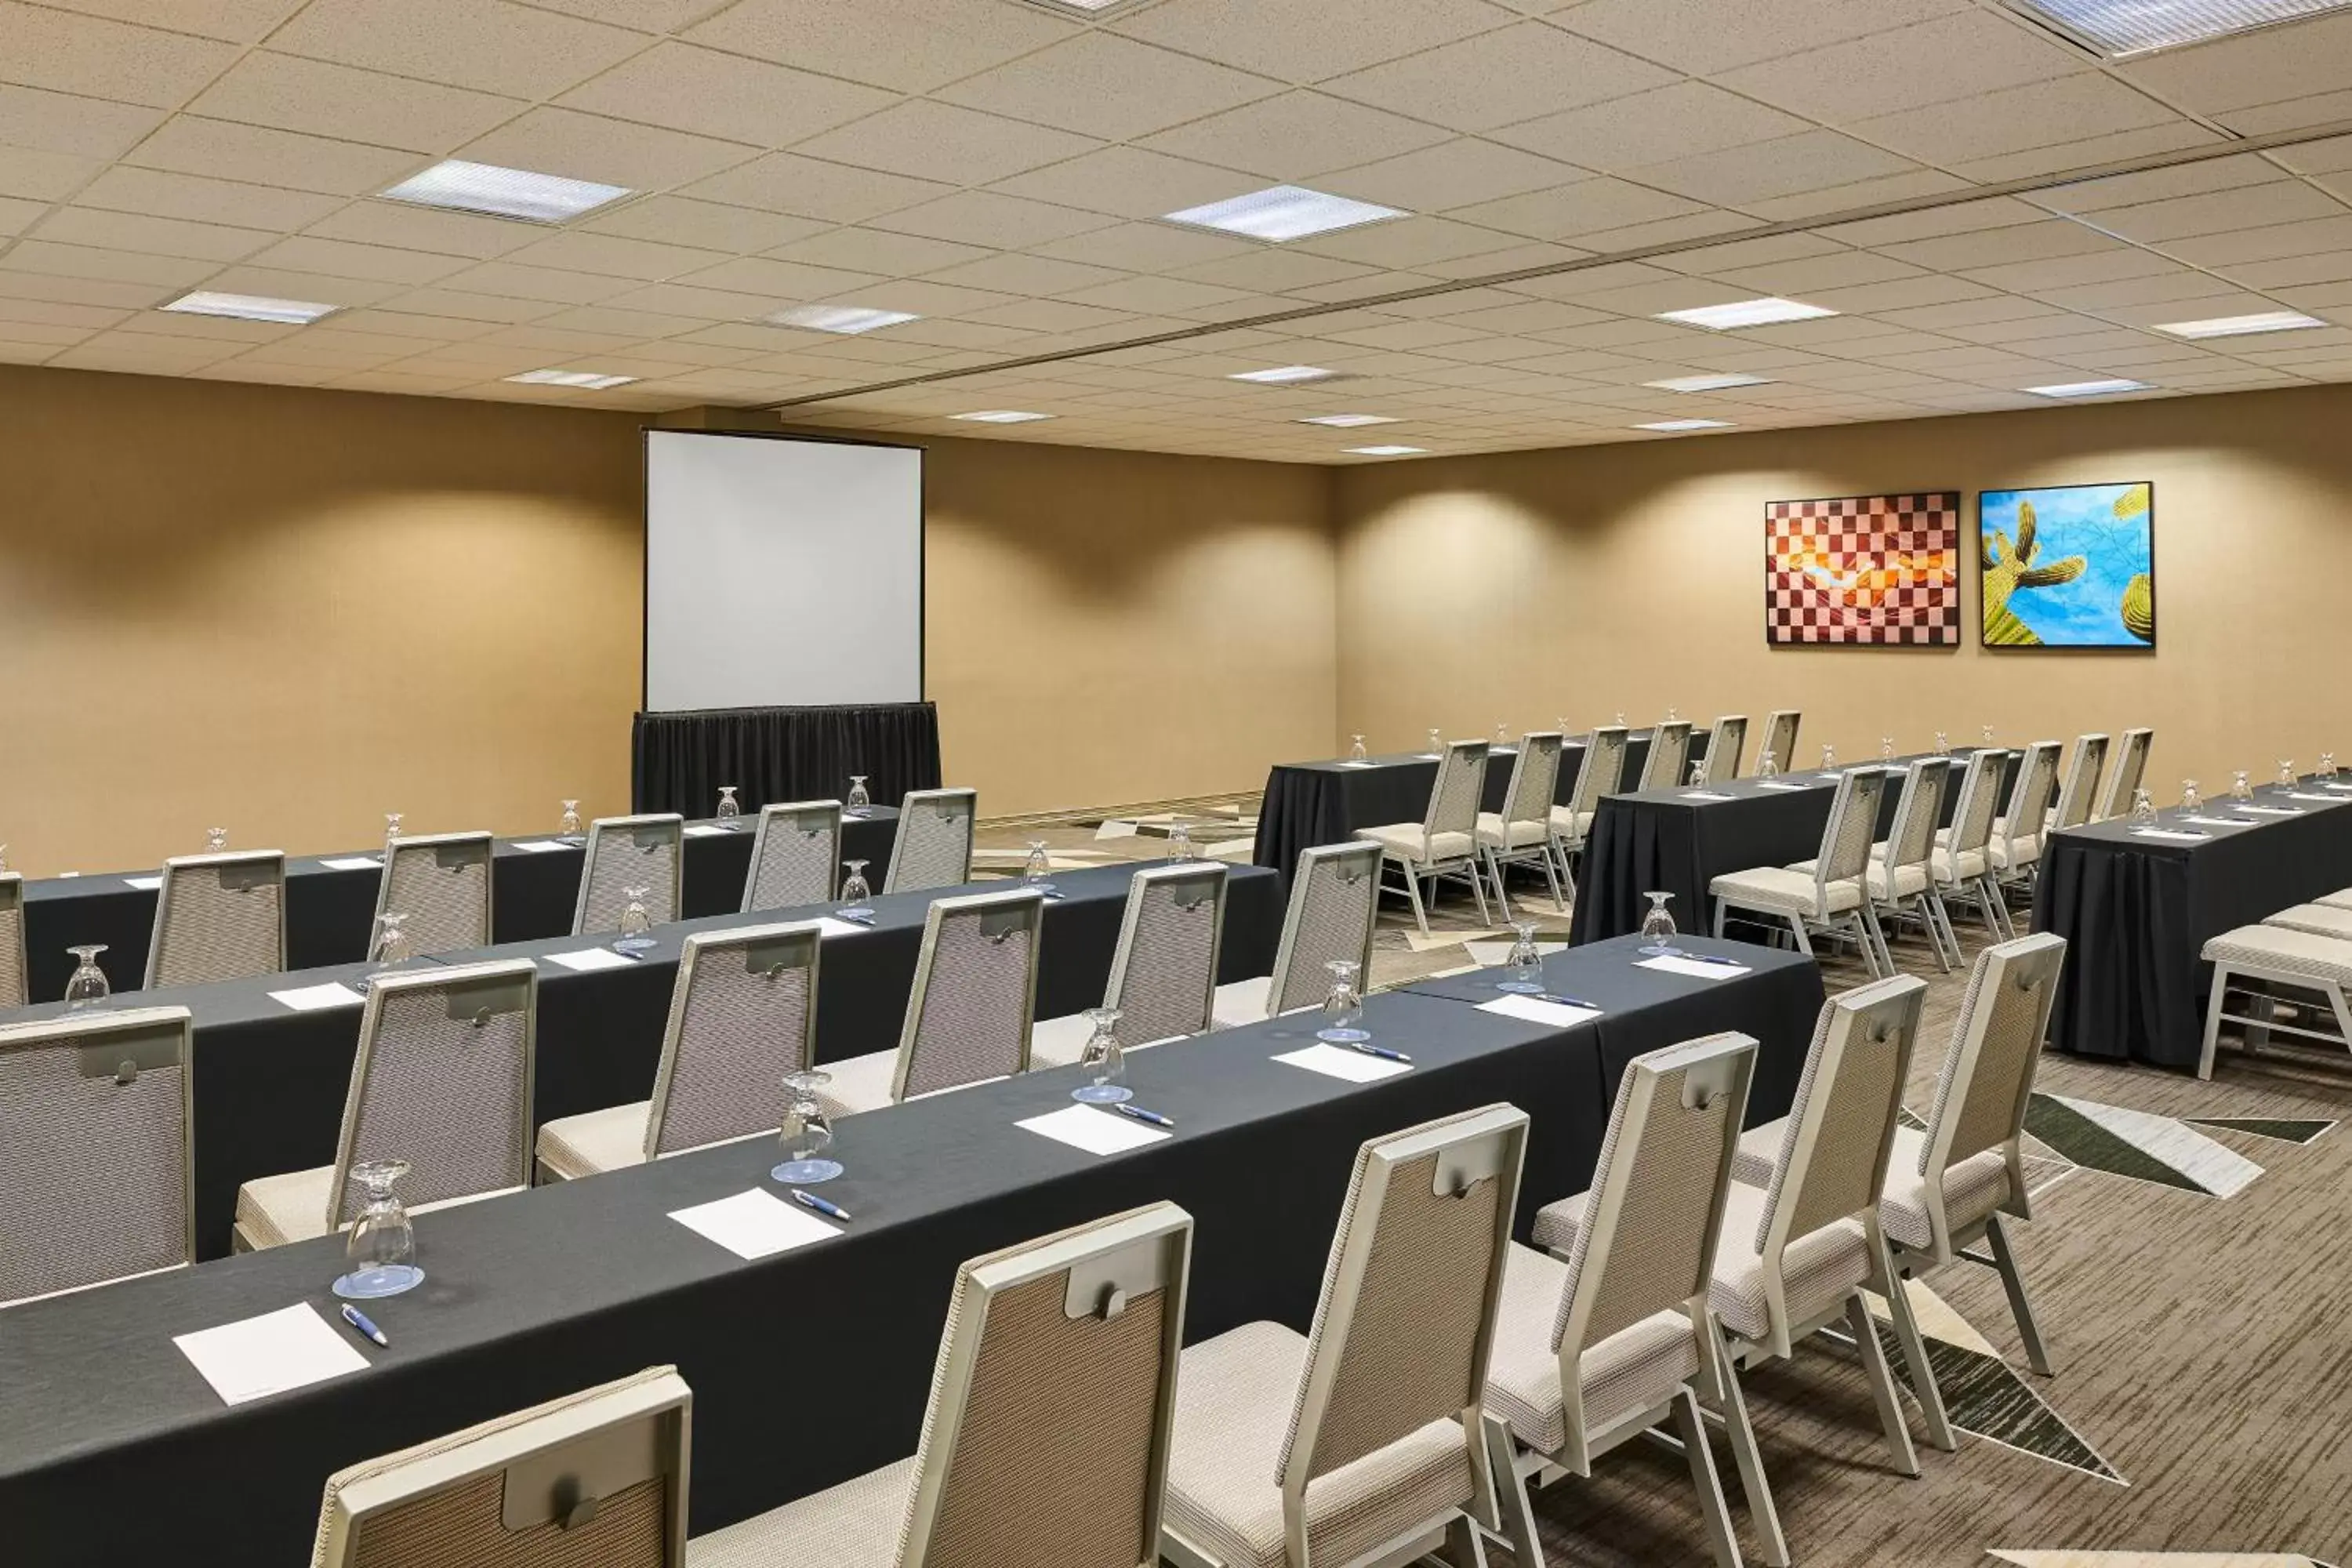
[[1864, 570]]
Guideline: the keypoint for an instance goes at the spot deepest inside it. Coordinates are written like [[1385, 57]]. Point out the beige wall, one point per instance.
[[1575, 582]]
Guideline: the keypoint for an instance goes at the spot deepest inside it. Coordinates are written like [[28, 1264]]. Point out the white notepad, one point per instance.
[[755, 1223], [1708, 794], [316, 998], [591, 958], [539, 846], [2219, 821], [269, 1354], [2176, 837], [1355, 765], [1537, 1011], [2305, 794], [352, 863], [2270, 810], [706, 830], [145, 884], [1095, 1131], [1776, 784], [1695, 969], [827, 926], [1338, 1061]]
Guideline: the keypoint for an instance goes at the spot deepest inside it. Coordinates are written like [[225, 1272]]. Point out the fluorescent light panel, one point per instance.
[[847, 319], [2242, 326], [1387, 451], [2119, 27], [1348, 421], [1285, 374], [587, 378], [1746, 314], [1707, 382], [504, 193], [1001, 416], [2087, 388], [250, 308], [1687, 425], [1283, 211]]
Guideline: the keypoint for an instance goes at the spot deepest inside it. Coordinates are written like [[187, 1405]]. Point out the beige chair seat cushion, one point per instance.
[[1972, 1189], [274, 1210], [853, 1525], [1758, 1152], [2280, 951], [859, 1083], [577, 1146], [2317, 919], [1634, 1370], [1059, 1042], [1234, 1399], [1570, 824], [1778, 887], [2337, 900], [1237, 1002], [1910, 882], [1522, 835], [1971, 864], [1818, 1271], [1409, 841], [1997, 850]]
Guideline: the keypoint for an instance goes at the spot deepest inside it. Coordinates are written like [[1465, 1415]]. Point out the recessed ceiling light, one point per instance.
[[1707, 382], [250, 308], [1388, 451], [1348, 421], [1746, 314], [846, 319], [504, 193], [2087, 388], [1283, 211], [1687, 425], [2242, 326], [1001, 416], [1285, 374], [2119, 27], [587, 378]]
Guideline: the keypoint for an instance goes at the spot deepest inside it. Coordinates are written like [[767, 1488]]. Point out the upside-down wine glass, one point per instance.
[[806, 1133], [1943, 744], [390, 950], [855, 892], [1985, 735], [858, 803], [2326, 776], [216, 840], [636, 923], [381, 1250], [1037, 870], [1436, 745], [569, 829], [1673, 714], [2143, 810], [2191, 802], [1697, 775], [1767, 766], [1356, 753], [2238, 788], [2286, 776], [1104, 1060], [728, 806], [1502, 737], [1829, 762], [1180, 842], [1885, 748], [1526, 963], [1343, 1009], [88, 987], [1658, 928], [392, 821]]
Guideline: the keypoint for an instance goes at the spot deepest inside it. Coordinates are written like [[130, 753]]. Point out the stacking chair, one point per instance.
[[1521, 831], [1725, 742], [2080, 792], [627, 852], [968, 1019], [2131, 766], [742, 1013], [1961, 863], [1828, 893], [2014, 847], [2302, 950], [1603, 773], [442, 1081], [14, 983], [1607, 1334], [1444, 842], [794, 856], [94, 1170], [1780, 739], [1046, 1437], [442, 883], [1901, 878], [1661, 766], [1334, 900], [1163, 974], [219, 916], [598, 1477], [933, 848], [1362, 1442]]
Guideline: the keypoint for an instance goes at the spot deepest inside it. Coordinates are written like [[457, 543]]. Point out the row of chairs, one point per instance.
[[1445, 1373], [2304, 952]]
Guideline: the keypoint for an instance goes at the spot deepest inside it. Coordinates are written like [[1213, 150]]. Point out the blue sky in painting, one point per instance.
[[2077, 519]]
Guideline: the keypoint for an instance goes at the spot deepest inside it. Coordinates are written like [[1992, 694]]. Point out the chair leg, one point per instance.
[[1478, 892], [1882, 1385], [1691, 1430], [1551, 875], [1923, 1373], [1463, 1549], [1761, 1512], [1805, 941], [1413, 891], [1511, 1495], [1495, 870], [1722, 913], [2213, 1021], [1931, 914], [2037, 1354], [1883, 964]]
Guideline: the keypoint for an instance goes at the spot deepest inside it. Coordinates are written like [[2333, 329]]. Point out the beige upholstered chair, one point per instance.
[[595, 1479], [2131, 766], [442, 1080], [14, 985], [219, 916], [627, 852], [1603, 773], [2302, 949], [1607, 1335], [1825, 894], [1725, 743], [1961, 863], [1163, 974], [968, 1019], [2015, 845], [742, 1014], [1521, 831], [1780, 739], [94, 1164], [933, 848], [1901, 876], [1045, 1442], [441, 882], [1334, 901], [1442, 843], [1662, 765], [794, 855], [1361, 1442], [2079, 795]]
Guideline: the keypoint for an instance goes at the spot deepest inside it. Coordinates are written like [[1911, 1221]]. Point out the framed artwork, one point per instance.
[[1864, 571], [2069, 567]]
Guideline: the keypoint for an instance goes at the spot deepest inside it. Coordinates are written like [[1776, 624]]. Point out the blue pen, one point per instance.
[[1710, 958], [358, 1320], [1568, 1002], [1382, 1052], [810, 1201], [1140, 1114]]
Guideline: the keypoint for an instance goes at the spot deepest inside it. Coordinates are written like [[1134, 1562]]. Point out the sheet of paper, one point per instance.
[[1428, 756], [1778, 783], [706, 830], [1095, 1131], [591, 958], [1502, 751], [2219, 821], [317, 999], [2343, 787], [1708, 794], [1338, 1061], [756, 1222], [1355, 765], [539, 846], [2167, 834], [2270, 810], [827, 926], [1696, 969], [1537, 1011], [354, 863], [145, 884], [2308, 794], [272, 1353]]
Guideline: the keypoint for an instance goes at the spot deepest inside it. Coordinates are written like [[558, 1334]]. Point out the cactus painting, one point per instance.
[[2070, 566], [1861, 570]]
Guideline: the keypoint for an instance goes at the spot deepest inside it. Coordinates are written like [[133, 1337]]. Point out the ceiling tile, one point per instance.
[[578, 250], [645, 16], [236, 21], [1862, 194], [2268, 244], [1957, 55], [158, 236], [2159, 184], [1706, 36], [913, 45], [683, 87], [1652, 127], [105, 265], [2096, 151], [289, 93], [783, 281], [939, 141], [612, 152], [788, 182], [187, 144], [1145, 248], [2043, 114], [1017, 274], [1128, 182], [17, 215], [1452, 174], [1743, 175], [61, 123], [712, 225], [1514, 73], [278, 283], [1587, 206], [1310, 40], [1104, 85], [2265, 67], [42, 176], [410, 228], [878, 251], [1273, 272], [2253, 206], [489, 45], [103, 58], [534, 283], [1296, 136], [1409, 242], [1160, 296], [983, 217], [468, 305]]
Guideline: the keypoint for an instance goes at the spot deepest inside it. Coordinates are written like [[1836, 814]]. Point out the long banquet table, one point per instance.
[[329, 909], [812, 1366]]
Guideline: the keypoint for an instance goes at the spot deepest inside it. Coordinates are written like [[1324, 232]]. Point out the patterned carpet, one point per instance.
[[2188, 1259]]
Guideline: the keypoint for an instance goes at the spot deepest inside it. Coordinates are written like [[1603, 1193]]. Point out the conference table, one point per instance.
[[331, 899], [270, 1080], [809, 1366], [2136, 911]]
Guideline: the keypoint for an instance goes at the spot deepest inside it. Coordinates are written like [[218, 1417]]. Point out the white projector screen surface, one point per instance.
[[780, 572]]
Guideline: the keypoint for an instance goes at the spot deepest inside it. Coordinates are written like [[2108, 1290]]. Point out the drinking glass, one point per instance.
[[1697, 775], [855, 892], [1037, 870], [1436, 745], [1674, 715], [88, 987], [728, 806], [1502, 737], [2238, 788], [1767, 766], [1343, 1009], [2286, 776], [1180, 842], [1658, 928], [636, 923], [1526, 963], [1829, 762], [858, 802], [391, 949], [2191, 801], [2326, 775], [1103, 1059], [1885, 748], [392, 820], [1943, 744], [570, 826], [2143, 809], [1985, 735], [1356, 753], [216, 840], [381, 1250], [808, 1131], [1620, 718]]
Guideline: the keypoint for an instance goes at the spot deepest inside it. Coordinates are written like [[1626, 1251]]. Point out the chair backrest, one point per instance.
[[442, 883], [1406, 1318], [1780, 738], [598, 1477], [1047, 1433], [1988, 1076], [1333, 908], [794, 857], [219, 916], [1972, 814], [1662, 767], [443, 1081], [1461, 786], [741, 1016], [14, 983], [1851, 830], [94, 1166], [1603, 771], [1535, 779], [1164, 975], [627, 852], [933, 848], [2082, 788], [2031, 793], [1911, 839], [975, 993], [1725, 742], [2131, 766]]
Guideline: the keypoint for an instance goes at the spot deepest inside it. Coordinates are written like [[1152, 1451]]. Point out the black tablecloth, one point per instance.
[[811, 1366], [330, 911], [2137, 912], [678, 760]]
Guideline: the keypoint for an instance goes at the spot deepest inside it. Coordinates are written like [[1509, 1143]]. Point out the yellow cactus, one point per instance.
[[2008, 568], [2139, 609]]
